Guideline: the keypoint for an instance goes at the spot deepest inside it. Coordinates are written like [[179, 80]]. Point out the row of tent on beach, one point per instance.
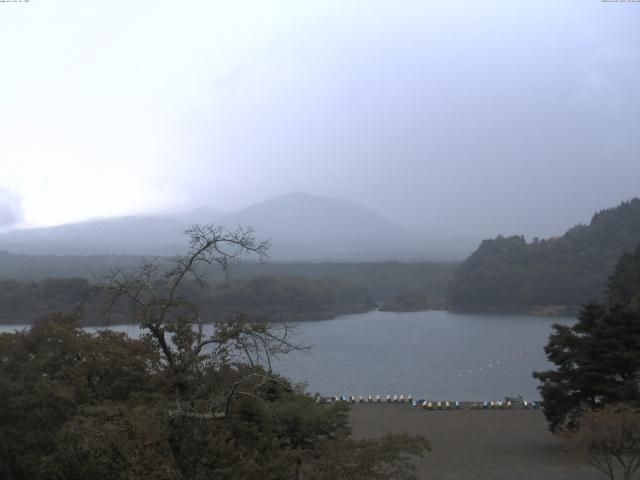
[[507, 403]]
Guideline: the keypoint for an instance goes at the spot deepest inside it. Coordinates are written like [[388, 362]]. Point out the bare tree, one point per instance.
[[163, 297], [610, 438]]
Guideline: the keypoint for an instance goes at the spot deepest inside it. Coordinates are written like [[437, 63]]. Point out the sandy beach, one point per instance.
[[477, 444]]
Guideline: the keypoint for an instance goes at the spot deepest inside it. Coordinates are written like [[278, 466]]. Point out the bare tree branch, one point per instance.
[[159, 293]]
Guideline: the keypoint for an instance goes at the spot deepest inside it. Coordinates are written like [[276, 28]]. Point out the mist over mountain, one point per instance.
[[131, 235], [301, 227], [308, 227]]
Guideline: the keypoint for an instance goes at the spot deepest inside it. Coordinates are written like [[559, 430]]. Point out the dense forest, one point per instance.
[[32, 286], [383, 280], [564, 271], [284, 297]]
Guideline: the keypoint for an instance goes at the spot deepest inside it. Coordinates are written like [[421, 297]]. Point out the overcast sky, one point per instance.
[[452, 117]]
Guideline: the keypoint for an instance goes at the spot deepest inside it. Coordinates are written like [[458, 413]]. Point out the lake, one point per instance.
[[432, 354]]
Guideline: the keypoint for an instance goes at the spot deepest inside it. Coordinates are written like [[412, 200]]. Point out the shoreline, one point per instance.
[[536, 311], [435, 404], [529, 310]]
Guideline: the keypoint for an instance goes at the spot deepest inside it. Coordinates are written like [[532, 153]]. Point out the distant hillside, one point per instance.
[[569, 270], [301, 227], [133, 235], [307, 227]]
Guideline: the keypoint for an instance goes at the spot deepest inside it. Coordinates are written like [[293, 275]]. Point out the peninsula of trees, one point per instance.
[[509, 272]]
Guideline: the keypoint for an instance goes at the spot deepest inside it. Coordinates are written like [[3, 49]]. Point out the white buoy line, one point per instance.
[[498, 362]]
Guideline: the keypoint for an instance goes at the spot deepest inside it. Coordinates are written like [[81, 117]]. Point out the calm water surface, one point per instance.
[[438, 355], [431, 354]]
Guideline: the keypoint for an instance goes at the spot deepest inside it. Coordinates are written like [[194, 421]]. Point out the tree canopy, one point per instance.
[[568, 270]]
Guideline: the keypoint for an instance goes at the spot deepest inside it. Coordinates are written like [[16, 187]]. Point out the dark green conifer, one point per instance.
[[597, 359]]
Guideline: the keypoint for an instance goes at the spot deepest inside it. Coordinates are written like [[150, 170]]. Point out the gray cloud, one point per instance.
[[455, 118], [10, 209], [453, 125]]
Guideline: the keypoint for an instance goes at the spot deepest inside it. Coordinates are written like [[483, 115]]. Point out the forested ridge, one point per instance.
[[566, 271], [287, 297], [33, 286]]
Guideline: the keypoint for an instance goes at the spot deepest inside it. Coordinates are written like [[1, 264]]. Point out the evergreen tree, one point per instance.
[[598, 358]]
